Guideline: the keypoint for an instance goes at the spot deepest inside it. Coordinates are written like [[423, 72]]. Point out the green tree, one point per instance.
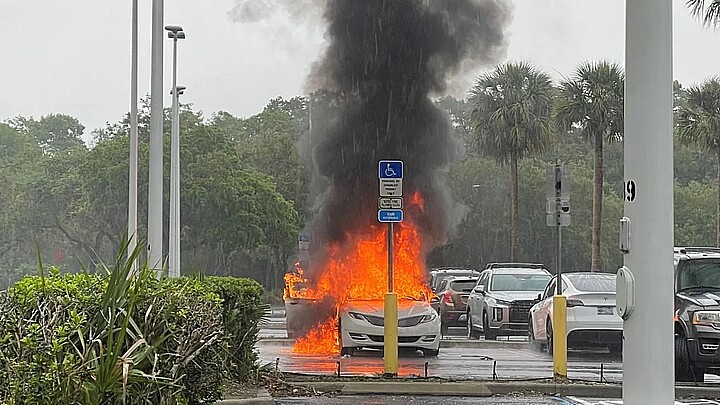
[[54, 132], [511, 113], [698, 124], [591, 103], [707, 11]]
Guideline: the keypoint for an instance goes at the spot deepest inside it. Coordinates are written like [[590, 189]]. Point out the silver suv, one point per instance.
[[501, 300]]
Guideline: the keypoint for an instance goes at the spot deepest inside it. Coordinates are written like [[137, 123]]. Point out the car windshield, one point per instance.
[[464, 286], [700, 274], [593, 282], [519, 282]]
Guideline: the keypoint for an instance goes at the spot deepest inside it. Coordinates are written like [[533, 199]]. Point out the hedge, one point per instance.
[[92, 339]]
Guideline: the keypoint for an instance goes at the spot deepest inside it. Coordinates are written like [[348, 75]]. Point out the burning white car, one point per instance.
[[361, 326]]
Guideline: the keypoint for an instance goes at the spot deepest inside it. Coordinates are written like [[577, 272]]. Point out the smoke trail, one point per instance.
[[384, 59]]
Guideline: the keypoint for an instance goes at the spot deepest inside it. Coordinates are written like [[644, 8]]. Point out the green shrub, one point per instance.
[[242, 311]]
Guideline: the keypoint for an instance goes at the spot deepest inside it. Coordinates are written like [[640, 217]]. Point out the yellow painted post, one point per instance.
[[391, 334], [559, 336]]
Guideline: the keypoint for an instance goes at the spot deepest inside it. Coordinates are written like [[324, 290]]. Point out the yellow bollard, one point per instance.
[[560, 337], [391, 335]]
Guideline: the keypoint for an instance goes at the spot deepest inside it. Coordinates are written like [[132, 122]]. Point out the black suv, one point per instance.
[[697, 312]]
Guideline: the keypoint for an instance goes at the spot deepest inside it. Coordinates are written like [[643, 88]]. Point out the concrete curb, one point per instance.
[[487, 389], [262, 397]]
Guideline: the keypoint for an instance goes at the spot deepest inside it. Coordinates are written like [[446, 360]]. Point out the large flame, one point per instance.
[[358, 270]]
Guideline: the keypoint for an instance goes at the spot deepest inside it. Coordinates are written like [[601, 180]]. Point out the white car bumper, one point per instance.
[[356, 333]]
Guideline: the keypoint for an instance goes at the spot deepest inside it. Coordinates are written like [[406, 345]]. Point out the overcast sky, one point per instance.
[[73, 57]]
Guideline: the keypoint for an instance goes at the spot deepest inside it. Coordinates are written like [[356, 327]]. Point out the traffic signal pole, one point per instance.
[[648, 353]]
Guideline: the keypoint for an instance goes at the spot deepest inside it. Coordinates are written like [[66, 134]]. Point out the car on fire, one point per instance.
[[500, 302], [697, 312], [592, 319], [452, 302], [362, 324]]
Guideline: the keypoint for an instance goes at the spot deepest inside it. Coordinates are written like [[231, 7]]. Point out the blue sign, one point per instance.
[[390, 169], [390, 215]]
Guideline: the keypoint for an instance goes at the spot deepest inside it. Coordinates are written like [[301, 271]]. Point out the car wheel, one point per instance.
[[534, 344], [471, 332], [431, 352], [549, 335], [685, 371], [489, 334]]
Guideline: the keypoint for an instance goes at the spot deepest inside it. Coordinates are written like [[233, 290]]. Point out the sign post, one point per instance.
[[390, 173], [557, 192]]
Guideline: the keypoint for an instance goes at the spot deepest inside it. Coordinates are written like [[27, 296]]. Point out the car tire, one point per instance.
[[534, 343], [431, 352], [549, 337], [472, 334], [489, 334], [685, 371]]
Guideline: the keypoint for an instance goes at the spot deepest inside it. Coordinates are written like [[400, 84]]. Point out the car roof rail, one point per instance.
[[510, 265], [697, 249]]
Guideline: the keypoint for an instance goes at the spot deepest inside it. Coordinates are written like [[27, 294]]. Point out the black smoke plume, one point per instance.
[[384, 60]]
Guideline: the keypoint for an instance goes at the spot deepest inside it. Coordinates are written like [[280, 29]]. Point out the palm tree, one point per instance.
[[708, 11], [591, 102], [698, 123], [512, 117]]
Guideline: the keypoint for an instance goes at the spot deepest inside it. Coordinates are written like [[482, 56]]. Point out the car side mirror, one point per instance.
[[479, 289], [539, 297]]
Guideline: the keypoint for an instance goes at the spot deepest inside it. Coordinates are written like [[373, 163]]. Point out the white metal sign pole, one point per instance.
[[648, 363]]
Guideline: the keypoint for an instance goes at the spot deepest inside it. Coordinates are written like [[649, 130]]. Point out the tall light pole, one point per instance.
[[175, 32], [133, 166], [155, 181], [648, 354]]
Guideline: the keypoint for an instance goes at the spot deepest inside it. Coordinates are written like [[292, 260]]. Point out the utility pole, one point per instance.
[[133, 166], [155, 181], [648, 353]]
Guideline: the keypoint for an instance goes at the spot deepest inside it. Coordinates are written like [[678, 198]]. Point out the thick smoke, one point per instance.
[[384, 59]]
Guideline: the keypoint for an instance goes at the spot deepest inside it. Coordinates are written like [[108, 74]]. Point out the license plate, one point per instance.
[[605, 311]]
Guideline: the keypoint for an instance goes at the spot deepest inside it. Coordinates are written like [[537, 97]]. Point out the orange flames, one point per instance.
[[358, 270]]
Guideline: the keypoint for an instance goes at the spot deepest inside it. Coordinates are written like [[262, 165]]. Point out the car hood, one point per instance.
[[514, 295], [405, 308], [703, 299]]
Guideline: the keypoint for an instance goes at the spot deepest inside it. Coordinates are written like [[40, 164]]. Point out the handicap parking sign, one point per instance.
[[390, 169]]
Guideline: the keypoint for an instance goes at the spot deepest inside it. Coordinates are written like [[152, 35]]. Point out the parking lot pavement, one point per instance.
[[470, 360]]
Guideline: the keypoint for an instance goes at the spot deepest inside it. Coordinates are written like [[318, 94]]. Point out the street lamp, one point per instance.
[[175, 32], [133, 159], [155, 180]]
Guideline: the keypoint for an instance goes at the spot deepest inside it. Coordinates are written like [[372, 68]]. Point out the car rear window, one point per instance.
[[464, 286], [593, 282]]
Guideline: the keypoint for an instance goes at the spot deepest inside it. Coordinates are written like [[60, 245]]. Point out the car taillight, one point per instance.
[[448, 298], [574, 303]]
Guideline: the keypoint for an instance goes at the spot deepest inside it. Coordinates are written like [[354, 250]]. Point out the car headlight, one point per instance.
[[494, 302], [428, 318], [357, 316], [711, 318]]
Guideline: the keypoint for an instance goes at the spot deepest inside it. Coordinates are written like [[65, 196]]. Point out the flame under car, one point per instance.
[[362, 326]]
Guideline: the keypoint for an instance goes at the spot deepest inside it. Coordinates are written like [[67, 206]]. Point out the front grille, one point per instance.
[[375, 320], [401, 339], [520, 310], [403, 322], [410, 321]]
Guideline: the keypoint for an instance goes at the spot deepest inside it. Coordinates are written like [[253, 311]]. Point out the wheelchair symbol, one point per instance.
[[389, 172]]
